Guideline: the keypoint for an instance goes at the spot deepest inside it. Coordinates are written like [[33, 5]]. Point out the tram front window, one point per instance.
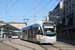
[[14, 34], [49, 32]]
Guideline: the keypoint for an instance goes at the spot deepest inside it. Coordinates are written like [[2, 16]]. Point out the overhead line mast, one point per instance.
[[44, 14], [35, 13]]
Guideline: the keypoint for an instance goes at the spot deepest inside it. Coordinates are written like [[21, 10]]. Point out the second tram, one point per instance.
[[14, 35], [41, 31]]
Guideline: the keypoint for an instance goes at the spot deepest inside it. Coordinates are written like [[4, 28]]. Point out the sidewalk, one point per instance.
[[66, 41]]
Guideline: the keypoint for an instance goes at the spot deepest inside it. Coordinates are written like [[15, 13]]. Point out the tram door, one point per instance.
[[34, 35]]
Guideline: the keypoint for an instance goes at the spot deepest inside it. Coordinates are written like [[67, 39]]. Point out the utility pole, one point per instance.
[[44, 14], [35, 13]]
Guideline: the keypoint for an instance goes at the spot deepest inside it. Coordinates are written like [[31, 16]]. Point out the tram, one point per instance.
[[14, 35], [40, 31]]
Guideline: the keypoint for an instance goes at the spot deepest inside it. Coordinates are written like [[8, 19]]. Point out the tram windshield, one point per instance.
[[14, 34], [49, 31]]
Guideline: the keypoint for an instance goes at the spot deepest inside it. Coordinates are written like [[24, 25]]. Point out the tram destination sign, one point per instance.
[[48, 23]]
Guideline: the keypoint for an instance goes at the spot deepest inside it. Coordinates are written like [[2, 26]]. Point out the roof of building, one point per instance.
[[9, 27], [12, 22]]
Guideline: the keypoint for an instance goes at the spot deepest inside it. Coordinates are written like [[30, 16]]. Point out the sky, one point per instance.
[[18, 10]]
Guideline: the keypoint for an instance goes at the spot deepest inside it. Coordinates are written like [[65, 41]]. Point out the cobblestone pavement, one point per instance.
[[61, 44], [23, 45], [27, 44], [17, 44], [4, 46]]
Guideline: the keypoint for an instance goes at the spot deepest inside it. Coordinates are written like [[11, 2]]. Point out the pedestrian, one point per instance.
[[9, 36]]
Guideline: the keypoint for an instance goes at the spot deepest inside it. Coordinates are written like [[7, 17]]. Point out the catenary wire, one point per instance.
[[9, 9], [12, 6], [32, 8], [7, 4], [44, 6], [6, 10]]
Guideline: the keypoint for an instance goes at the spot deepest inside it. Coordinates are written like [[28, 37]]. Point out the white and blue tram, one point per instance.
[[41, 31]]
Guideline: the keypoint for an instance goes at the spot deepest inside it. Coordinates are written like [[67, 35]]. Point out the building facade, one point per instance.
[[70, 13], [65, 12], [57, 15], [69, 31]]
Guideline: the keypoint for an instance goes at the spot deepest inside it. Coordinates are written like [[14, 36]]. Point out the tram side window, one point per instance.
[[25, 32], [20, 34], [28, 33], [41, 33], [37, 31], [31, 33]]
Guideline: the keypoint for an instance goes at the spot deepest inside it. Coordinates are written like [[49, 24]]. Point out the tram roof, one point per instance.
[[35, 24]]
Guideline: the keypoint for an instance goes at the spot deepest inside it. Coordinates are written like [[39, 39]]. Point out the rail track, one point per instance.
[[49, 47], [57, 46], [8, 45], [16, 44], [22, 45]]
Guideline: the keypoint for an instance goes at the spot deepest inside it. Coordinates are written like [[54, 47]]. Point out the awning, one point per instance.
[[8, 26]]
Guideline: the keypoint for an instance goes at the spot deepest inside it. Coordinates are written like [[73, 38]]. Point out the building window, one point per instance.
[[70, 1], [66, 11], [73, 7], [69, 9], [67, 3], [71, 19]]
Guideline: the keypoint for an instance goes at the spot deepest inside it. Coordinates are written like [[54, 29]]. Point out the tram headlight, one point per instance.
[[44, 37], [38, 37]]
